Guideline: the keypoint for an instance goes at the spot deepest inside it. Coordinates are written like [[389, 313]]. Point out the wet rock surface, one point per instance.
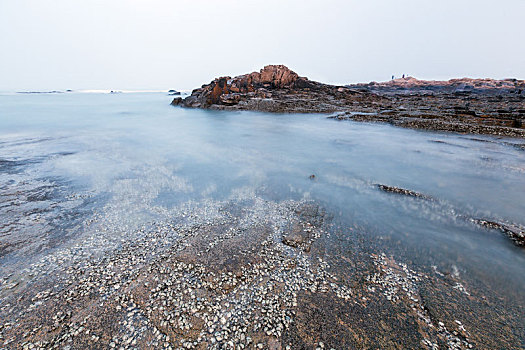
[[257, 274], [514, 232], [402, 191], [302, 234], [474, 106]]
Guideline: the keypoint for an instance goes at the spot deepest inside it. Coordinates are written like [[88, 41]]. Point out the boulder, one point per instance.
[[176, 101]]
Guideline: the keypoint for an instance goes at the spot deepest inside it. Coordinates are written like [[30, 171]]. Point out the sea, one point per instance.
[[82, 173]]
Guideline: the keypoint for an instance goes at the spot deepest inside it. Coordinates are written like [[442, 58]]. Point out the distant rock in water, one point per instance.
[[514, 232], [177, 101], [42, 92], [402, 191], [174, 92]]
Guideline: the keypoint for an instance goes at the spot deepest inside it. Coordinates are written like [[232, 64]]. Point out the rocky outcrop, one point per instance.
[[402, 191], [274, 88], [229, 91], [475, 106], [515, 232]]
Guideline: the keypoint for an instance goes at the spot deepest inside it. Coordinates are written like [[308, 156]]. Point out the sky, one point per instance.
[[182, 44]]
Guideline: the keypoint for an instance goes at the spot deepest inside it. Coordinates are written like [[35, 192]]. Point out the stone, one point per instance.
[[402, 191], [515, 232], [176, 101]]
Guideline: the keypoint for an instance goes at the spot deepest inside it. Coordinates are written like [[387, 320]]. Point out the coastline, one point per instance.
[[469, 106]]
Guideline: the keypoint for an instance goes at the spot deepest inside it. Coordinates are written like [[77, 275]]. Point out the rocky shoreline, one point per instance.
[[257, 276], [474, 106]]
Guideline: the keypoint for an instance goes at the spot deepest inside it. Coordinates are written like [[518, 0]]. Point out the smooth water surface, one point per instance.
[[129, 159]]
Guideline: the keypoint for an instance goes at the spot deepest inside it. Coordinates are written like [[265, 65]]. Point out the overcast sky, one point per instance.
[[181, 44]]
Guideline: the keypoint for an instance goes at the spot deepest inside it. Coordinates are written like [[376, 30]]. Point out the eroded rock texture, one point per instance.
[[274, 88]]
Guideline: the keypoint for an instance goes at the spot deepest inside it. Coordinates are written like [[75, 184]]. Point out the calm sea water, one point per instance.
[[128, 159]]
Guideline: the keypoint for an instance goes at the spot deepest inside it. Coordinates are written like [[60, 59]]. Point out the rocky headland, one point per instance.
[[274, 89], [477, 106]]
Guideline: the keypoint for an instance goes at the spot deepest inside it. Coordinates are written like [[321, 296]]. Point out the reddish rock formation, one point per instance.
[[226, 90], [274, 88]]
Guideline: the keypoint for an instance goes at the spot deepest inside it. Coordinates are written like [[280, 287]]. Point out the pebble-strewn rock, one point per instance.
[[227, 282], [245, 273], [396, 281]]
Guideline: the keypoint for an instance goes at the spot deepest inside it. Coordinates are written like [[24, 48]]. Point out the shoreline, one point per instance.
[[468, 106], [211, 282]]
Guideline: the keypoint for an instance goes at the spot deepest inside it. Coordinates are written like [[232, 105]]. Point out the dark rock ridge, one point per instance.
[[402, 191], [513, 231], [475, 106]]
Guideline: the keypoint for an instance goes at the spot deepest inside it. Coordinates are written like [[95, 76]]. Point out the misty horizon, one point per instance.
[[166, 89], [159, 45]]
